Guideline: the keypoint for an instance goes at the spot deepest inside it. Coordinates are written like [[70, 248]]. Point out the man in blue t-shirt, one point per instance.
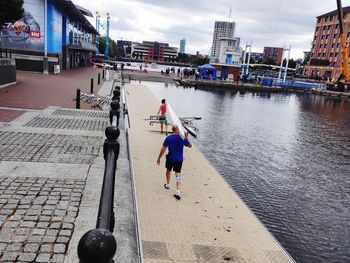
[[174, 158]]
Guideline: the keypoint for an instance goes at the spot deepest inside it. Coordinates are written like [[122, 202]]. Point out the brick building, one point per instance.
[[274, 53], [325, 55]]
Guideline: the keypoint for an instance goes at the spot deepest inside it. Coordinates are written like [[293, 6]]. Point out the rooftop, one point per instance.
[[335, 12]]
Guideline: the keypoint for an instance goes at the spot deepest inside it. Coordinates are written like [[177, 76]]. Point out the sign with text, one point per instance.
[[34, 34]]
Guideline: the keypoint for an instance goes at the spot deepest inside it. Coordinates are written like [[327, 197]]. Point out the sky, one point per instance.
[[260, 22]]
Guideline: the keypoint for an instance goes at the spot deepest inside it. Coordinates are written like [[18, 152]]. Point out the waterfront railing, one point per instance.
[[99, 244]]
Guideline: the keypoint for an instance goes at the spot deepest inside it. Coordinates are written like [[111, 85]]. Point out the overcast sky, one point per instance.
[[264, 22]]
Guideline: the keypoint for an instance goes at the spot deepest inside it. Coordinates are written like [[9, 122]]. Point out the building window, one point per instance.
[[330, 18], [316, 28], [344, 16], [318, 20], [326, 19], [329, 27], [336, 26], [333, 45], [321, 46], [325, 45], [331, 55]]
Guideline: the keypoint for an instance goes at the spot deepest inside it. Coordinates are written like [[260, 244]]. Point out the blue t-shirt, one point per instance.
[[175, 146]]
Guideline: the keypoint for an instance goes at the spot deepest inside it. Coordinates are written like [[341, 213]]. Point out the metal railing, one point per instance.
[[99, 245]]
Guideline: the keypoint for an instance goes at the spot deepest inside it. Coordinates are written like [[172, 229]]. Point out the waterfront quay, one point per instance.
[[210, 223], [51, 172]]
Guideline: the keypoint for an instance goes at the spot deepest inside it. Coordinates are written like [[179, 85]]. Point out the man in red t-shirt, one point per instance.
[[162, 117]]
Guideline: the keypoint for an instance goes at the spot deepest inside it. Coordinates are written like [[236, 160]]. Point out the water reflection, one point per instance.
[[286, 155]]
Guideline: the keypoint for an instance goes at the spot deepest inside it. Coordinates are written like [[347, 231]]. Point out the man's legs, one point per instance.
[[161, 127], [177, 195], [167, 177], [178, 183]]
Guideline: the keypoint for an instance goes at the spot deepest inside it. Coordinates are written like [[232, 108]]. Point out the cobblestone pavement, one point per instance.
[[75, 113], [38, 209], [37, 218], [73, 124], [38, 147]]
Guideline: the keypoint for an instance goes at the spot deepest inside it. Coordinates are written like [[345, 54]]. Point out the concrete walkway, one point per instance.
[[210, 223]]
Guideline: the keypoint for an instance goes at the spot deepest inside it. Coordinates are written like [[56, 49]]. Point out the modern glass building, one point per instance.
[[56, 29], [182, 45]]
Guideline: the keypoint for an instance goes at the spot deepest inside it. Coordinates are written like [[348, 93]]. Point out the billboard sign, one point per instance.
[[26, 33]]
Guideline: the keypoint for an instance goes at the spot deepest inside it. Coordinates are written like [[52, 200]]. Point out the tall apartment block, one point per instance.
[[222, 30], [182, 45], [274, 53], [325, 55]]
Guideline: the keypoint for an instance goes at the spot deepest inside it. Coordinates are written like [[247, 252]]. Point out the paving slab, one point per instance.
[[210, 223]]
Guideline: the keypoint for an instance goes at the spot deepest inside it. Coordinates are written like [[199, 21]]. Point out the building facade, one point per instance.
[[273, 53], [254, 57], [70, 39], [154, 51], [325, 55], [230, 52], [182, 45], [222, 30]]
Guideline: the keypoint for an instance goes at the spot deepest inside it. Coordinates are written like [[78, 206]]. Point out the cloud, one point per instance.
[[265, 23]]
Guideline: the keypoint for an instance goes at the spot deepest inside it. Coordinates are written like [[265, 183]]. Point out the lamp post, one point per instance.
[[98, 31], [45, 59], [107, 37]]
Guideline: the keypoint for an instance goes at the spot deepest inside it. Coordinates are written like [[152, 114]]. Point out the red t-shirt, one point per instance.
[[163, 108]]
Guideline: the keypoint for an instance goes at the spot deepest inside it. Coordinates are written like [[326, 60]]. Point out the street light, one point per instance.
[[107, 36], [98, 31]]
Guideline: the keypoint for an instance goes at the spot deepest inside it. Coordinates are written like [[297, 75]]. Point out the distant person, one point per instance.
[[161, 115], [175, 144]]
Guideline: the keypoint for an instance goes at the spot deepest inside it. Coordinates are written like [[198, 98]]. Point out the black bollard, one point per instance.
[[77, 100], [114, 113], [99, 79], [103, 74], [97, 245], [92, 86], [116, 95]]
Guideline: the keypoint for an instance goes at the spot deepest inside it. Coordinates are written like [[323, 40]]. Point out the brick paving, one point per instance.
[[9, 115], [39, 91], [37, 217], [38, 147]]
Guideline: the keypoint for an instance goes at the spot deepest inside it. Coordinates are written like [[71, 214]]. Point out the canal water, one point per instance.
[[286, 155]]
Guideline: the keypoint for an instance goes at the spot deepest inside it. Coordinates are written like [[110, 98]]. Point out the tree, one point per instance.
[[10, 11], [291, 63], [113, 48]]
